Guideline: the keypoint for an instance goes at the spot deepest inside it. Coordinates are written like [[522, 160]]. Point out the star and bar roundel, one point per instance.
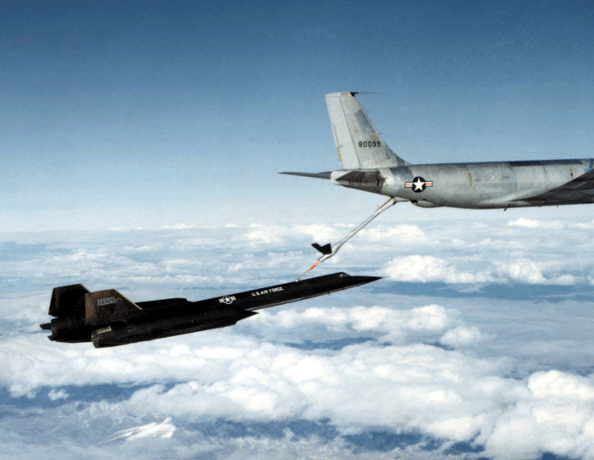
[[418, 184]]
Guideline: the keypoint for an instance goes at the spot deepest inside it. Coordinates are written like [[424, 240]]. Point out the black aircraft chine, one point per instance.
[[107, 318]]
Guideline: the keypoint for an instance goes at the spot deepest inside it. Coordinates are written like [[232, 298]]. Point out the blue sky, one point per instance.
[[150, 113], [140, 145]]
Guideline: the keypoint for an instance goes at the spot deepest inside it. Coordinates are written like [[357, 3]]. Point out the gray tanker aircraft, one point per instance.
[[368, 164]]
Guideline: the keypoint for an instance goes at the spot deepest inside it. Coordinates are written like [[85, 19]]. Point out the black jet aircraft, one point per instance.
[[107, 318]]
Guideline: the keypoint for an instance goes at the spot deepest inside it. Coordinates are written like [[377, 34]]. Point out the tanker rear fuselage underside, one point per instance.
[[479, 185]]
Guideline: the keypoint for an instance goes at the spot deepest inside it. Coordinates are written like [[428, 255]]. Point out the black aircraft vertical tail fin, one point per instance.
[[68, 301], [109, 306]]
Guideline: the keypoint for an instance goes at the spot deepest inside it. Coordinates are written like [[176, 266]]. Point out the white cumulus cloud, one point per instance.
[[391, 324], [530, 272], [532, 223], [57, 394], [424, 269], [461, 336], [400, 233]]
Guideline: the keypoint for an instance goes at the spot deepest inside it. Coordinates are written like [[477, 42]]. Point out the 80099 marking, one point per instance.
[[370, 144]]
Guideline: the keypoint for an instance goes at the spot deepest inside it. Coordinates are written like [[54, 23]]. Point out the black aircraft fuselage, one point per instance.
[[108, 319]]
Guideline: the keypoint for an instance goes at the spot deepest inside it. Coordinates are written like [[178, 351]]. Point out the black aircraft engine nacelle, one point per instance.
[[122, 334], [69, 329], [107, 318], [67, 305]]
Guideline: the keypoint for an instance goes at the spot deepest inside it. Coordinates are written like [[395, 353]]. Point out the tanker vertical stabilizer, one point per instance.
[[359, 144]]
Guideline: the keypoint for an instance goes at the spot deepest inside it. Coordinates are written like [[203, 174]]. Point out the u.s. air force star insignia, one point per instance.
[[418, 184], [227, 299]]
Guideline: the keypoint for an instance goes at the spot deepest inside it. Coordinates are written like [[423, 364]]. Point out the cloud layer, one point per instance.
[[495, 375], [411, 386]]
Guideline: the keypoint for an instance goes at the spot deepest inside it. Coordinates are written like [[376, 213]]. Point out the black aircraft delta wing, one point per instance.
[[108, 319], [368, 164]]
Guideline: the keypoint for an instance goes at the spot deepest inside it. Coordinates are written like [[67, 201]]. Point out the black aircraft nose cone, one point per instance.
[[367, 279], [361, 280]]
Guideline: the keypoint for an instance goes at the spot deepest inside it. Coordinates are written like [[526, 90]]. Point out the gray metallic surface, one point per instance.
[[320, 175], [358, 143], [485, 185]]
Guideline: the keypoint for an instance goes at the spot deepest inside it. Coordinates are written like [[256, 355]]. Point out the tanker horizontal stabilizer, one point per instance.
[[320, 175]]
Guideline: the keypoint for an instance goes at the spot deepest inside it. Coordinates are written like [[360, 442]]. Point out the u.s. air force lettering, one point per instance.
[[267, 291]]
